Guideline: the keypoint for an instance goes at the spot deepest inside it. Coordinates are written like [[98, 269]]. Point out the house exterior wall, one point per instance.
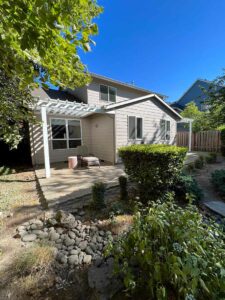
[[97, 135], [151, 112]]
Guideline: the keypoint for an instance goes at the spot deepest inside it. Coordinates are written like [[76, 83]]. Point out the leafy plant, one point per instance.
[[171, 253], [199, 163], [153, 167], [123, 188], [186, 186], [211, 158], [98, 195], [47, 34], [218, 180]]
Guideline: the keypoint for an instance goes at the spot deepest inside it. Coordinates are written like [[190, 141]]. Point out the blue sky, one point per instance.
[[161, 45]]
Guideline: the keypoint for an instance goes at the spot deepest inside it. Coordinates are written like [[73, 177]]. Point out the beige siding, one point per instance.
[[123, 93], [152, 113], [97, 134]]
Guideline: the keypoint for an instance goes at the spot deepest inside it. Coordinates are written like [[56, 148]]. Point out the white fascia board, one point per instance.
[[139, 99]]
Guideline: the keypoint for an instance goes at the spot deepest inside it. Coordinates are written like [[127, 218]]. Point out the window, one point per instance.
[[165, 130], [107, 93], [66, 134], [135, 128]]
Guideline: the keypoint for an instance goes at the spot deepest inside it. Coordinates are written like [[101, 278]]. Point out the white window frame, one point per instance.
[[166, 130], [108, 86], [136, 117], [67, 139]]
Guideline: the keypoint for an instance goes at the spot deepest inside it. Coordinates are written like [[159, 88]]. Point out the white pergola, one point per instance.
[[188, 121], [60, 107]]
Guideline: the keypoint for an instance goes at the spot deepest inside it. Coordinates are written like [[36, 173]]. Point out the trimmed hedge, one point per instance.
[[153, 167], [223, 142]]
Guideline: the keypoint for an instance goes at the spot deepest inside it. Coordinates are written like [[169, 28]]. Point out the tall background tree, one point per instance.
[[46, 35]]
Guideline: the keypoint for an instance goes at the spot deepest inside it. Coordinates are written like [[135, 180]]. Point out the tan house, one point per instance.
[[104, 115]]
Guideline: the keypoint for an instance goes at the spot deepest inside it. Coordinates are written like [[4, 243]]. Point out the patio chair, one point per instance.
[[86, 158]]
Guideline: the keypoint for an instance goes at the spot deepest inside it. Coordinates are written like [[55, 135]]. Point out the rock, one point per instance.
[[69, 242], [43, 235], [73, 259], [71, 234], [29, 237], [37, 231], [36, 224], [74, 252], [99, 239], [83, 245], [67, 220], [89, 250], [21, 228], [101, 233], [62, 258], [59, 230], [59, 241], [93, 246], [52, 222], [87, 259], [53, 236]]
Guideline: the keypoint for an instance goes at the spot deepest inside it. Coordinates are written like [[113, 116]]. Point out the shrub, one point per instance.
[[190, 168], [153, 167], [98, 195], [199, 163], [187, 185], [223, 141], [170, 253], [218, 180], [123, 188], [211, 158]]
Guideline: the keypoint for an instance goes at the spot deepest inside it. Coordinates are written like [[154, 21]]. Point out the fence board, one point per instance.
[[201, 141]]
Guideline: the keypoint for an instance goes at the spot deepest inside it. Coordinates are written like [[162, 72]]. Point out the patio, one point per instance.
[[67, 184]]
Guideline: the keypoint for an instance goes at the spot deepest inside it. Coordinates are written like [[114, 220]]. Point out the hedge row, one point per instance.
[[153, 167]]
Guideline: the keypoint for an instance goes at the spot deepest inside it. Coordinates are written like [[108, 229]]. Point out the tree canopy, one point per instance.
[[47, 34], [216, 101], [201, 119], [14, 109]]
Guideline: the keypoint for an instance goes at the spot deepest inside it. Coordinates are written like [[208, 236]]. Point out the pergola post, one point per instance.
[[190, 136], [45, 141]]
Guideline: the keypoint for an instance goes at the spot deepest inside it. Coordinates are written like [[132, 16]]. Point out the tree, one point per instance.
[[14, 109], [47, 34], [201, 119], [216, 101]]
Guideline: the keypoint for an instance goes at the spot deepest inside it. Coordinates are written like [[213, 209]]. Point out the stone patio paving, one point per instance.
[[66, 184]]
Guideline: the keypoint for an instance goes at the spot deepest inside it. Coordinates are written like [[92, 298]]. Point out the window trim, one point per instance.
[[136, 117], [108, 86], [165, 139], [67, 139]]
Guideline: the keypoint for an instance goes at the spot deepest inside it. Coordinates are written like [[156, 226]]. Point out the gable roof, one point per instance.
[[131, 86], [125, 103]]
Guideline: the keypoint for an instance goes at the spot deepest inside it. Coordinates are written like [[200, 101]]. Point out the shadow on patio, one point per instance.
[[66, 184]]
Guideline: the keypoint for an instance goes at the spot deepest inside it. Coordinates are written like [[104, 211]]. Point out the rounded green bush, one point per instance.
[[171, 253], [153, 167]]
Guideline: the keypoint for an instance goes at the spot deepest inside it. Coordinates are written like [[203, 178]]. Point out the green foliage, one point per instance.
[[185, 187], [190, 168], [223, 142], [153, 167], [98, 195], [211, 158], [47, 34], [201, 120], [4, 170], [171, 253], [218, 180], [14, 109], [123, 188], [199, 163]]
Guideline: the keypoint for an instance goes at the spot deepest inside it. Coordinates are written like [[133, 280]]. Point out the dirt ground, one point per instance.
[[19, 199]]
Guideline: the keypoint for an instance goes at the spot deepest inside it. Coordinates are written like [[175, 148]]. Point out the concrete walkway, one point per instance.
[[68, 184], [211, 199]]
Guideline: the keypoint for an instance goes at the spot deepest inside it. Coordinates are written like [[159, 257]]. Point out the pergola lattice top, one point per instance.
[[69, 108]]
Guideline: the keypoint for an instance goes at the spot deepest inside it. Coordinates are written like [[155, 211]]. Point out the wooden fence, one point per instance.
[[201, 141]]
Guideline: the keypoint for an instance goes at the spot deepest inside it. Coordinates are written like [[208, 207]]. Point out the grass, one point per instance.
[[32, 270]]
